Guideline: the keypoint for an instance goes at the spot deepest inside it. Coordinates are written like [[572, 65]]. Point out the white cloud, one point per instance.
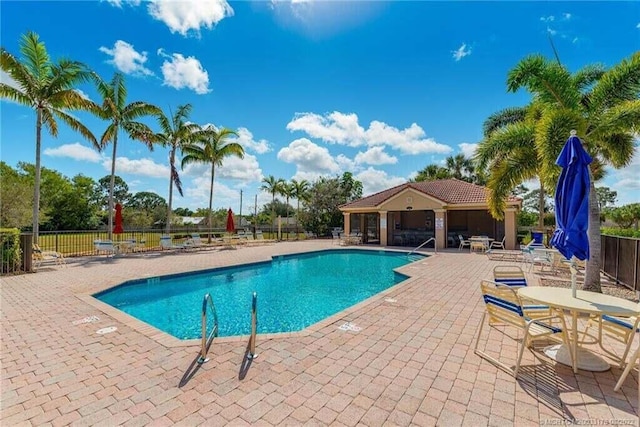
[[245, 138], [625, 181], [75, 151], [461, 52], [575, 40], [469, 150], [375, 156], [126, 59], [308, 157], [198, 191], [343, 129], [549, 18], [8, 80], [638, 26], [374, 180], [180, 72], [246, 169], [120, 3], [551, 31], [144, 167], [336, 127], [345, 163], [189, 15], [566, 16], [82, 94]]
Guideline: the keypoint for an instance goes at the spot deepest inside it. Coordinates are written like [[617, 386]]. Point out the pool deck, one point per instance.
[[412, 363]]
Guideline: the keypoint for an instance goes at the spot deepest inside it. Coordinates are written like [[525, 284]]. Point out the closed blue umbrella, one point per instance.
[[572, 203]]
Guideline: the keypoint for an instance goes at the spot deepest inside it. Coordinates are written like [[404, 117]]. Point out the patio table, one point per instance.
[[585, 302]]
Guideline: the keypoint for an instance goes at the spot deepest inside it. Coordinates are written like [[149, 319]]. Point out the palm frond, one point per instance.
[[138, 109], [175, 177], [108, 135], [588, 75], [13, 94], [18, 72], [619, 119], [503, 140], [49, 121], [36, 58], [502, 118], [620, 83], [618, 149], [507, 175], [77, 126], [141, 132]]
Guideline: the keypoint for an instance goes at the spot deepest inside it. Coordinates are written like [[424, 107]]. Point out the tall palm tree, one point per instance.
[[212, 147], [49, 88], [122, 116], [300, 192], [432, 172], [603, 106], [176, 133], [286, 190], [273, 186]]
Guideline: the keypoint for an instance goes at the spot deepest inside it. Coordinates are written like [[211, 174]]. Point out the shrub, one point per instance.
[[10, 252], [622, 232]]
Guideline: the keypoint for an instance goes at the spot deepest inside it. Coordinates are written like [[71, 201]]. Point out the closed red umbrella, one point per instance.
[[231, 227], [117, 228]]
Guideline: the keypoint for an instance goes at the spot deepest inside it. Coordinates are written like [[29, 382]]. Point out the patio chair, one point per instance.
[[167, 243], [39, 257], [621, 329], [463, 242], [504, 308], [260, 237], [513, 276], [630, 364], [105, 247], [498, 245]]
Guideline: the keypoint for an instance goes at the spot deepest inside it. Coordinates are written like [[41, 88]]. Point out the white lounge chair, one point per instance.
[[40, 257], [105, 247], [166, 243]]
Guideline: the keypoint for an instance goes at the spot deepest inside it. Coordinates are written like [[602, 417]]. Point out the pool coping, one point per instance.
[[168, 340]]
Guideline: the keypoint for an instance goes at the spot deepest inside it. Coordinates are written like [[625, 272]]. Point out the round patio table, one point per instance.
[[585, 302]]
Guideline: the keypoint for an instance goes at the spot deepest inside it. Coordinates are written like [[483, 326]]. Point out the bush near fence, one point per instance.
[[10, 252]]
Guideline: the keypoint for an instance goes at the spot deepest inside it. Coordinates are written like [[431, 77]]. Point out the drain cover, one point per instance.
[[107, 330]]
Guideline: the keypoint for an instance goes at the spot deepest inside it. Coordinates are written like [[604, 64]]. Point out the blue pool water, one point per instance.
[[293, 291]]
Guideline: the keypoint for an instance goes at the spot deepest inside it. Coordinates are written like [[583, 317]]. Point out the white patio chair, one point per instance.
[[504, 308], [167, 243], [498, 245], [463, 242], [105, 247]]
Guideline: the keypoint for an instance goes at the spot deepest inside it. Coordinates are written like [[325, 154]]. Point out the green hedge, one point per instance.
[[622, 232], [10, 252]]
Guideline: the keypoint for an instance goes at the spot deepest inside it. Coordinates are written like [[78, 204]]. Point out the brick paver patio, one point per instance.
[[411, 364]]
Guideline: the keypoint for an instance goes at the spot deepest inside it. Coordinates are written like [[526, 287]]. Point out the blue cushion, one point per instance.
[[507, 305], [536, 307], [618, 322], [512, 282]]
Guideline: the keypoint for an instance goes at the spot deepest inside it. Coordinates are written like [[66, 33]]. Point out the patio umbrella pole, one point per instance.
[[574, 278]]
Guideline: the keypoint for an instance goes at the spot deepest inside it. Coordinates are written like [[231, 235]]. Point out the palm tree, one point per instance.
[[122, 117], [300, 192], [431, 173], [49, 88], [603, 106], [287, 190], [212, 147], [459, 165], [176, 133], [272, 186]]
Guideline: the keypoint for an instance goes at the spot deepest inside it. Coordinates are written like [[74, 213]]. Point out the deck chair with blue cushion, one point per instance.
[[513, 276], [621, 329], [503, 307]]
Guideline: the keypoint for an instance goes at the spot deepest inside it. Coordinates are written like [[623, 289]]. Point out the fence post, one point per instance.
[[57, 250], [26, 242], [636, 284], [617, 258]]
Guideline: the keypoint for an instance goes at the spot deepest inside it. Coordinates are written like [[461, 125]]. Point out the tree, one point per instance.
[[351, 188], [460, 167], [212, 147], [114, 188], [606, 197], [603, 106], [16, 196], [50, 89], [122, 116], [300, 193], [272, 186], [531, 202], [175, 133], [146, 201], [627, 215], [431, 173], [183, 212]]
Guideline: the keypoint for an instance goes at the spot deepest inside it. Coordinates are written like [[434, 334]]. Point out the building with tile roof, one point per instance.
[[411, 213]]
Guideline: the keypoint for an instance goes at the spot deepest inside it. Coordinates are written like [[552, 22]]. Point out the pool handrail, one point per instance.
[[435, 248], [254, 326], [206, 340]]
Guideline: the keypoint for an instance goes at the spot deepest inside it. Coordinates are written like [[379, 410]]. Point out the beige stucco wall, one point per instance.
[[417, 202]]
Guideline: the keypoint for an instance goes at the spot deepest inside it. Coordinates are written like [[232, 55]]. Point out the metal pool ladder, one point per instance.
[[435, 249], [207, 302]]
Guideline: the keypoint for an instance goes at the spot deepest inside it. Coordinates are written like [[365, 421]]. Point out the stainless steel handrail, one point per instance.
[[435, 248], [254, 326], [206, 340]]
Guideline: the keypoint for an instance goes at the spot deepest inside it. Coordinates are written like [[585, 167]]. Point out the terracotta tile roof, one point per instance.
[[450, 191]]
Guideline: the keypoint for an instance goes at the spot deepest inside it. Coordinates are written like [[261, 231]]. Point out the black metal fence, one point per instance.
[[620, 260]]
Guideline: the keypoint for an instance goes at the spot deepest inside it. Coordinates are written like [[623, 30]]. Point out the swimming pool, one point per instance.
[[294, 292]]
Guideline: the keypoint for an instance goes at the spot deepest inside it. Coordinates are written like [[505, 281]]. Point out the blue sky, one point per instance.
[[314, 88]]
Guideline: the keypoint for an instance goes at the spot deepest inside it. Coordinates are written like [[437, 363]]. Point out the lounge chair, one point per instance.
[[260, 238], [513, 276], [463, 242], [105, 247], [498, 245], [39, 257], [166, 243], [504, 308]]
